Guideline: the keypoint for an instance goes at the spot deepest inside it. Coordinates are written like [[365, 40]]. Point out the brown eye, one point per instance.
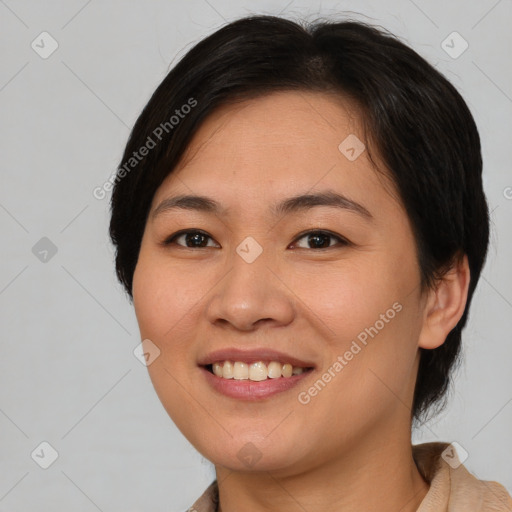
[[320, 240], [190, 239]]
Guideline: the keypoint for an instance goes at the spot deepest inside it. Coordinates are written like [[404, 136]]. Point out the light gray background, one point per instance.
[[68, 375]]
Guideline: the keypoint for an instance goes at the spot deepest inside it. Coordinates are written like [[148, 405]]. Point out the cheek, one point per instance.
[[162, 297], [147, 300], [350, 297], [370, 310], [163, 301]]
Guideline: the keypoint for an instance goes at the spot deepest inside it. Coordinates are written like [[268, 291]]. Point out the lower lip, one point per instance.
[[252, 390]]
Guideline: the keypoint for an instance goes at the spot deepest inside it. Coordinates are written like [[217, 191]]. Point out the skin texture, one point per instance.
[[349, 448]]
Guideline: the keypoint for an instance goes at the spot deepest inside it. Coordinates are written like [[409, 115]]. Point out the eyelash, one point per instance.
[[342, 241]]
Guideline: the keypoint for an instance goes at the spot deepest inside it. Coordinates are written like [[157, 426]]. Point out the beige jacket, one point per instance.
[[452, 487]]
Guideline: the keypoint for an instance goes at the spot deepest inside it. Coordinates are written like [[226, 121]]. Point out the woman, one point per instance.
[[300, 222]]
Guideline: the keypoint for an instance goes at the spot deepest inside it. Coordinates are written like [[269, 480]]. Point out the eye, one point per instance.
[[321, 239], [196, 239], [193, 239]]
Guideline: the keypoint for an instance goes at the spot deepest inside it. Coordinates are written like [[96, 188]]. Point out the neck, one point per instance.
[[379, 474]]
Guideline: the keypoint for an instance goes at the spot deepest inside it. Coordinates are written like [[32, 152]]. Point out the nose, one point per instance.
[[250, 295]]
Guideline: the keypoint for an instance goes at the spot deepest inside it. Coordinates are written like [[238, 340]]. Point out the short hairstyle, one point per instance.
[[413, 118]]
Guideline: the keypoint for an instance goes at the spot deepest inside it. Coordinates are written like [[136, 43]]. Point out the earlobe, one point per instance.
[[445, 305]]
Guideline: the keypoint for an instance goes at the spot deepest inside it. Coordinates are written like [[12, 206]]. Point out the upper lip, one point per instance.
[[252, 356]]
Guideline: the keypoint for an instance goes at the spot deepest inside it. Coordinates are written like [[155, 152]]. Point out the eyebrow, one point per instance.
[[293, 204]]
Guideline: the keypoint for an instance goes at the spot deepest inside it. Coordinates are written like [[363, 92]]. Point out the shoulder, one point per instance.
[[452, 486], [208, 501]]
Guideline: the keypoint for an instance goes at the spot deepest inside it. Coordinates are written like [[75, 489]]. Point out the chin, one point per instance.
[[247, 454], [252, 460]]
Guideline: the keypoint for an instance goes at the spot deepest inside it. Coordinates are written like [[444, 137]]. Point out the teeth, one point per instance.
[[287, 370], [217, 369], [256, 371], [274, 369], [240, 371], [227, 370]]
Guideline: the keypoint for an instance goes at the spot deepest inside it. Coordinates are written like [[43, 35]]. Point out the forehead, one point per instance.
[[297, 121], [276, 145]]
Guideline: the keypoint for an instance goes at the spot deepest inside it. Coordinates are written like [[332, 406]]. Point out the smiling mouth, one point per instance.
[[257, 371]]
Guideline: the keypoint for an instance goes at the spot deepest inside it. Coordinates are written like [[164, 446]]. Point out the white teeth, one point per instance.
[[256, 371], [217, 369], [227, 370], [287, 370], [274, 370], [240, 371]]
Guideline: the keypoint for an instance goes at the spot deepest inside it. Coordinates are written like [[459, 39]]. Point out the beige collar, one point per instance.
[[452, 487]]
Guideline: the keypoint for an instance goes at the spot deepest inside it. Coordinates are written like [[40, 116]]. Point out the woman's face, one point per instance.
[[345, 302]]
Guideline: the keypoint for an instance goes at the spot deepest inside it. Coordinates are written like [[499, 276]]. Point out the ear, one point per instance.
[[445, 305]]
